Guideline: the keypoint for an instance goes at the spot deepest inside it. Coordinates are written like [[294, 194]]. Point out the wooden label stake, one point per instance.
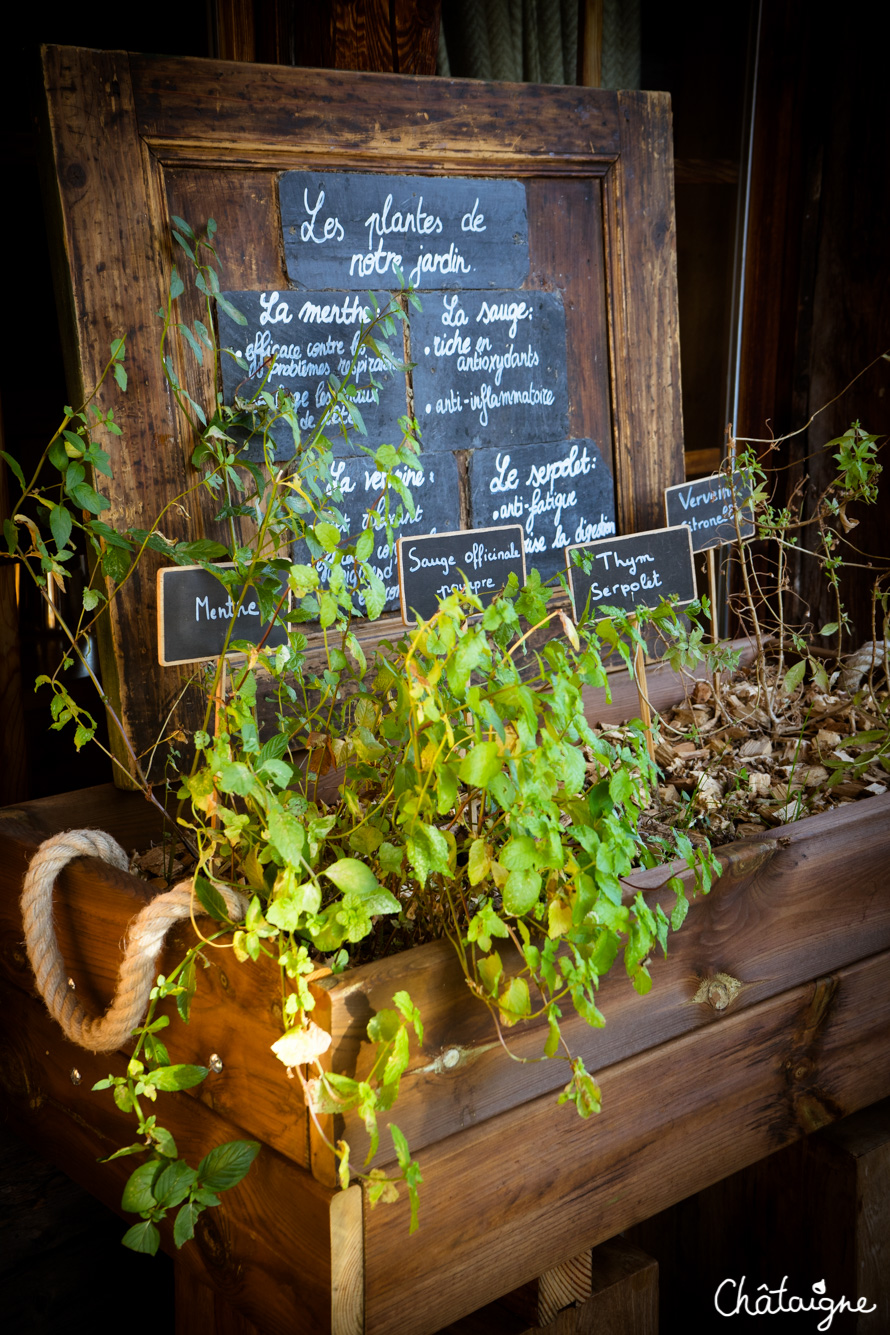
[[643, 697]]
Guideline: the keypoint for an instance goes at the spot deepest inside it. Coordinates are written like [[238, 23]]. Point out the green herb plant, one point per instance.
[[466, 796]]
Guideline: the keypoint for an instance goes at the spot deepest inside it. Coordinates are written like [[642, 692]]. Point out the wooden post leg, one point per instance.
[[847, 1168], [612, 1290], [201, 1310]]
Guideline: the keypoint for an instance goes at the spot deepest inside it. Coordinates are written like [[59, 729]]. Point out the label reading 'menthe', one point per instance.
[[195, 612]]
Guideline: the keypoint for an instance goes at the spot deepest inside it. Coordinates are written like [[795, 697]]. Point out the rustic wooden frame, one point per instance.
[[132, 139]]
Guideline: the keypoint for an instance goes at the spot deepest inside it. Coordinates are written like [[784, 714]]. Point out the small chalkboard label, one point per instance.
[[296, 341], [436, 494], [435, 565], [639, 570], [195, 612], [490, 368], [561, 494], [354, 230], [708, 507]]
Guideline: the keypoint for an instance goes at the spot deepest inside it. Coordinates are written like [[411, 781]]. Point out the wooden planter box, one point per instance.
[[769, 1018]]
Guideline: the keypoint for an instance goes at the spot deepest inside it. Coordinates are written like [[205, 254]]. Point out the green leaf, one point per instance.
[[184, 1227], [328, 535], [230, 310], [120, 376], [514, 1003], [173, 1183], [61, 524], [13, 464], [88, 499], [521, 892], [353, 877], [479, 861], [227, 1164], [794, 676], [280, 772], [176, 1077], [481, 763], [138, 1194], [235, 777], [288, 836], [830, 628], [211, 899], [142, 1237]]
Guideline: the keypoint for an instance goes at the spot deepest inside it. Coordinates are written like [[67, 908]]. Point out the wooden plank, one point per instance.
[[202, 1310], [13, 754], [552, 1182], [749, 1224], [642, 254], [784, 911], [441, 121], [775, 919], [267, 1248], [236, 1011], [622, 1285], [565, 1285], [847, 1170], [116, 263]]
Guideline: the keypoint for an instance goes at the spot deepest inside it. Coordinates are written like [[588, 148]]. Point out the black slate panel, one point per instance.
[[312, 336], [707, 506], [353, 230], [194, 615], [433, 565], [638, 570], [490, 369], [561, 494], [437, 508]]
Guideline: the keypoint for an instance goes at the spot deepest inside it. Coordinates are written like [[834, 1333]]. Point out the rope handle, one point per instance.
[[143, 945]]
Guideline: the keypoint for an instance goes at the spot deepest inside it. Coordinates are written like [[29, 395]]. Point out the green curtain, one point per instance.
[[535, 41]]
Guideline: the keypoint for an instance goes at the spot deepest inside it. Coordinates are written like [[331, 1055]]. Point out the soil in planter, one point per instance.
[[730, 771]]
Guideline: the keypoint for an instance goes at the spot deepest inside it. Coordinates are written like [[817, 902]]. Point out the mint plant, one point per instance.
[[467, 796]]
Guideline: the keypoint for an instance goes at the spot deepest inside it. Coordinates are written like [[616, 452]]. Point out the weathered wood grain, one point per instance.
[[783, 912], [116, 261], [674, 1119], [274, 111], [266, 1249], [622, 1286], [641, 254], [236, 1012]]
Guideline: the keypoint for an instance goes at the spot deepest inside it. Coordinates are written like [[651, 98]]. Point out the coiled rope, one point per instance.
[[143, 946]]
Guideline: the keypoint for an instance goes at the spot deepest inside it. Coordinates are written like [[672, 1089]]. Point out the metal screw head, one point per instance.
[[215, 1063], [76, 1077]]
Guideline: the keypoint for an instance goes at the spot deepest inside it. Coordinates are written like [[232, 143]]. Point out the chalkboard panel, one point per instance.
[[638, 570], [436, 499], [432, 566], [707, 506], [194, 615], [490, 368], [311, 336], [352, 230], [561, 494]]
